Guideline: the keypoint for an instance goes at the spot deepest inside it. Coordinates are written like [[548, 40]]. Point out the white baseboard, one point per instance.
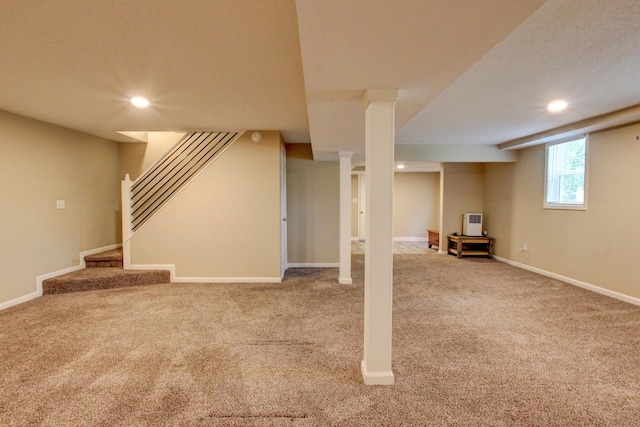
[[400, 239], [580, 284], [313, 265], [20, 300], [376, 378], [227, 280], [347, 281], [184, 279]]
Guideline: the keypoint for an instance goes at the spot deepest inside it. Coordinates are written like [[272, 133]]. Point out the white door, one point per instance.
[[283, 210], [362, 215]]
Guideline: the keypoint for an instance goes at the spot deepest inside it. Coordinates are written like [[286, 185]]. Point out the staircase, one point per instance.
[[103, 271]]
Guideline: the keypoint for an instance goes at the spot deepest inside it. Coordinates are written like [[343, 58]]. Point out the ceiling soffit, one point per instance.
[[417, 47]]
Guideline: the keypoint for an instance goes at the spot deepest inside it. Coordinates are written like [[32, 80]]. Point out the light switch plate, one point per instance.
[[60, 204]]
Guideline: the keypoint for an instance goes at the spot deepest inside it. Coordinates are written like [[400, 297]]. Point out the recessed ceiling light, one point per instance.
[[400, 166], [139, 102], [557, 106]]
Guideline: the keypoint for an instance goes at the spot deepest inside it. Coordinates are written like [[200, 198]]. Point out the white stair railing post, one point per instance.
[[127, 226]]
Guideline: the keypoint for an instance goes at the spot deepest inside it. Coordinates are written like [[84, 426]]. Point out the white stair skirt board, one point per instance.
[[181, 279], [43, 277], [578, 283], [313, 265], [97, 251], [376, 378], [80, 266]]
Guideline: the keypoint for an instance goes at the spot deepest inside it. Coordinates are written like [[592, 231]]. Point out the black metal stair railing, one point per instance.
[[156, 187]]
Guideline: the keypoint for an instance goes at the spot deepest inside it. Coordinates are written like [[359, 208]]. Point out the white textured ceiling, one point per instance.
[[468, 72], [586, 52]]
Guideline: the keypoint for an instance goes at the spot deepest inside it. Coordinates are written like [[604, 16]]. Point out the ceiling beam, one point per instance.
[[604, 121], [452, 153]]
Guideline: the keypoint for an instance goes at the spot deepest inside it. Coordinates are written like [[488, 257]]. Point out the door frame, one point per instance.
[[283, 211], [362, 215]]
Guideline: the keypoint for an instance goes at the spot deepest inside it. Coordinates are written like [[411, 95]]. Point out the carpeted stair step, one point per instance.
[[89, 279], [112, 258]]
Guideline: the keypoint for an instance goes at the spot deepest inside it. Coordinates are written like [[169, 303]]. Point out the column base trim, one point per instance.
[[376, 378], [345, 281]]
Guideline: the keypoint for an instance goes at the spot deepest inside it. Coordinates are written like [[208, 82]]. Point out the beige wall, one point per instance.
[[462, 192], [415, 203], [313, 207], [135, 158], [39, 164], [226, 223], [598, 246]]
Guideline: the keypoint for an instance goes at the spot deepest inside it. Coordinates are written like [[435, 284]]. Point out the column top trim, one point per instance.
[[345, 154], [386, 96]]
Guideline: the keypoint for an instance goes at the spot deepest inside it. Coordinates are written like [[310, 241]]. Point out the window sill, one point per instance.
[[559, 206]]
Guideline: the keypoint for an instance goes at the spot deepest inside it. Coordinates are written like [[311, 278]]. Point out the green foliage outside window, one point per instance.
[[566, 165]]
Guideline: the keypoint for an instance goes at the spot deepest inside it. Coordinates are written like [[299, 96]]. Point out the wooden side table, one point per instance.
[[470, 246], [434, 238]]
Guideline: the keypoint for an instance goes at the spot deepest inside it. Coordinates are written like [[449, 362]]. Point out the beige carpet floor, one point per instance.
[[476, 342]]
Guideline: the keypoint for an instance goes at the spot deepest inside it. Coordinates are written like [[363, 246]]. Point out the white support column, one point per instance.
[[126, 221], [344, 277], [378, 273], [443, 245]]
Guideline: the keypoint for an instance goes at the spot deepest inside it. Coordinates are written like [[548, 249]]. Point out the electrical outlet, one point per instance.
[[525, 247], [60, 204]]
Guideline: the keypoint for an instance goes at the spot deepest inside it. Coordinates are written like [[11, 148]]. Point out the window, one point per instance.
[[566, 175]]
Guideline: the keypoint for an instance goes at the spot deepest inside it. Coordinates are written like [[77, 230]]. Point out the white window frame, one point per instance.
[[567, 206]]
